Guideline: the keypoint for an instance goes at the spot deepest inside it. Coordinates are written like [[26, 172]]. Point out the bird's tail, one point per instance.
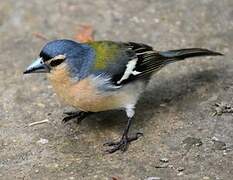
[[176, 55]]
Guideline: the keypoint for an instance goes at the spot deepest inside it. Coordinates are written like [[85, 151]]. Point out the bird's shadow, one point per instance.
[[174, 89]]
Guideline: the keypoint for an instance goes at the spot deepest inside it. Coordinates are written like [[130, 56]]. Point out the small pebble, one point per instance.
[[206, 178], [214, 138], [41, 105], [180, 174], [153, 178], [162, 166], [163, 105], [43, 141], [180, 169], [37, 171], [170, 166], [164, 160], [156, 20]]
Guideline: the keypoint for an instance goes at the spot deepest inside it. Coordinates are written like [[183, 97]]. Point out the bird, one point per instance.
[[105, 75]]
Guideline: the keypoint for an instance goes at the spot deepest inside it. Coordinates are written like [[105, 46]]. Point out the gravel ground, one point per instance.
[[182, 137]]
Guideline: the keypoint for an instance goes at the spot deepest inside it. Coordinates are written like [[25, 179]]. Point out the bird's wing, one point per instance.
[[118, 63], [122, 63]]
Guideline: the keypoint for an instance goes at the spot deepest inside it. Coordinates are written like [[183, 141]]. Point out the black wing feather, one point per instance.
[[146, 60]]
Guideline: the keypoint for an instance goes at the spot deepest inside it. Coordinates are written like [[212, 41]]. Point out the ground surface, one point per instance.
[[175, 113]]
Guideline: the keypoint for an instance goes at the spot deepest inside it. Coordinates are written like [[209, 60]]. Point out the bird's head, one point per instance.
[[53, 55]]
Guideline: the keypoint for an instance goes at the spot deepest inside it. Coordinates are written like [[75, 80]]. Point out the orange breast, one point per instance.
[[83, 94]]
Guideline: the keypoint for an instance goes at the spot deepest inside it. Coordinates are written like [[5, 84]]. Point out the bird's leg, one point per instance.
[[79, 115], [125, 139]]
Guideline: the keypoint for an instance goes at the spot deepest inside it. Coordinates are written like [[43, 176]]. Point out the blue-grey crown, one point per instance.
[[60, 47]]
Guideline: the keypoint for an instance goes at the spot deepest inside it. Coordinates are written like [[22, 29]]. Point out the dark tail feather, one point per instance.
[[187, 53]]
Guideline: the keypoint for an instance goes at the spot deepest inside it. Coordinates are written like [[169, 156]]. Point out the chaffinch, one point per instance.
[[104, 75]]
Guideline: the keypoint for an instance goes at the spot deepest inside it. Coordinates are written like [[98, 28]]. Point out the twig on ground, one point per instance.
[[38, 122]]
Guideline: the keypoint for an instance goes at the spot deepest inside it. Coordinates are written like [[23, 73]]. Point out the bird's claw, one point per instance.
[[80, 115], [69, 113], [122, 144]]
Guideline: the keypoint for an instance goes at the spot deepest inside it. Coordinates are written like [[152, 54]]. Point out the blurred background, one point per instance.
[[186, 134]]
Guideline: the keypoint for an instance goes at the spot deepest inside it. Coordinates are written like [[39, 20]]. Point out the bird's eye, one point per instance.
[[56, 62]]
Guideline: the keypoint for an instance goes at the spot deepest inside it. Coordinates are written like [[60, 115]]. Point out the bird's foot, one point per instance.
[[79, 115], [122, 144]]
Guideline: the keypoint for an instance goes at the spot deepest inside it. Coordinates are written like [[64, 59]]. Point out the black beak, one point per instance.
[[37, 66]]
